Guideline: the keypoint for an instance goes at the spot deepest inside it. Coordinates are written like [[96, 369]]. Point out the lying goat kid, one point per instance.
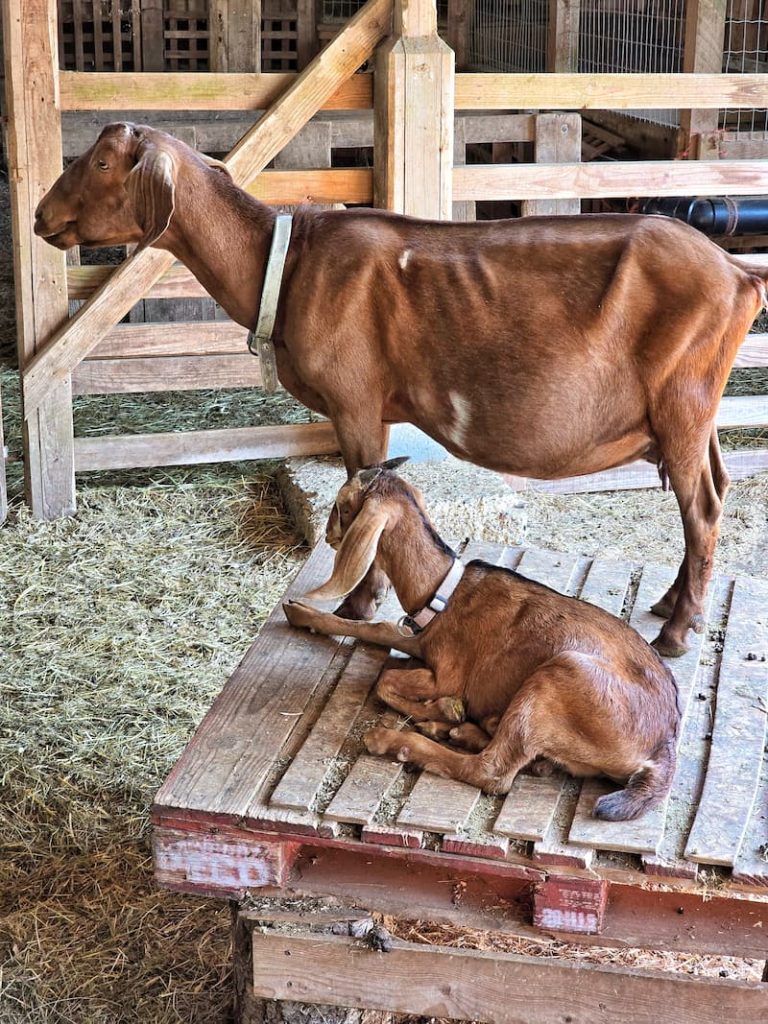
[[549, 676]]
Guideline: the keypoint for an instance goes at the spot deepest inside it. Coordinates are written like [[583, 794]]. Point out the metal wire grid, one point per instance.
[[509, 35], [745, 51]]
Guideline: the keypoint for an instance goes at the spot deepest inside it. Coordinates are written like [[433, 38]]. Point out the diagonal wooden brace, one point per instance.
[[311, 90]]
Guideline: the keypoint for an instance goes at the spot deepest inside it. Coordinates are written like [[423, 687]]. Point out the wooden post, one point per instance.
[[306, 32], [464, 210], [235, 39], [457, 35], [34, 163], [702, 52], [557, 141], [152, 35], [413, 119], [563, 35]]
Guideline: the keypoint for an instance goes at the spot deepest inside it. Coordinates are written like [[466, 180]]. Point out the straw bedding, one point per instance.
[[117, 629]]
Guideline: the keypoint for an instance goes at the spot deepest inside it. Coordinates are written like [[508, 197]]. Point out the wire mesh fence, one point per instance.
[[745, 51]]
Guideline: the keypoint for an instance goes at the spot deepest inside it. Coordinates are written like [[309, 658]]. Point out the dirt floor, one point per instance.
[[118, 628]]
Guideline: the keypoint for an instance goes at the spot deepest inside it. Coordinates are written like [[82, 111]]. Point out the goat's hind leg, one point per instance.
[[415, 692]]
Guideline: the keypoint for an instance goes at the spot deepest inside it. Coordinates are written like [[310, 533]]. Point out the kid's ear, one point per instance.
[[356, 553]]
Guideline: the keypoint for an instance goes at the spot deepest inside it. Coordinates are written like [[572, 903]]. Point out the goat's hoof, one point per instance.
[[662, 608], [438, 731], [358, 611], [698, 623], [379, 741], [542, 768], [451, 709], [669, 648]]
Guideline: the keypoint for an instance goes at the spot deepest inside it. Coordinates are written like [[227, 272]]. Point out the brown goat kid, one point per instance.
[[542, 347], [547, 676]]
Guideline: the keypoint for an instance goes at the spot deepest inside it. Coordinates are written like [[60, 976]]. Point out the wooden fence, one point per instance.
[[92, 351]]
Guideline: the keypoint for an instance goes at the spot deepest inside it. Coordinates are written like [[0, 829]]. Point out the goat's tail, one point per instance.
[[646, 787]]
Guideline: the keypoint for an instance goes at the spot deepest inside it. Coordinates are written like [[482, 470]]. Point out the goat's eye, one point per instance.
[[102, 165]]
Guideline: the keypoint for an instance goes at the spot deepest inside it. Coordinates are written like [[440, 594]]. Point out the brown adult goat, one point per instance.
[[549, 676], [544, 347]]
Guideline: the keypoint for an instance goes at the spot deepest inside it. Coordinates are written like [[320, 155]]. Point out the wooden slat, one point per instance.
[[754, 351], [176, 283], [226, 762], [741, 464], [302, 780], [529, 808], [692, 753], [609, 180], [363, 790], [190, 447], [177, 338], [738, 734], [197, 91], [644, 834], [608, 92], [285, 117], [751, 863], [338, 185], [165, 373]]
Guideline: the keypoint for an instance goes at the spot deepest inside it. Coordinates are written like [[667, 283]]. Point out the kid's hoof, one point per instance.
[[662, 608], [668, 648], [438, 731], [381, 741], [300, 615], [357, 610], [451, 709], [542, 768]]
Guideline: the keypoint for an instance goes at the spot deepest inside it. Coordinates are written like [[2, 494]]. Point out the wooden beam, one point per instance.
[[176, 338], [337, 185], [413, 118], [134, 278], [702, 52], [610, 180], [498, 988], [563, 35], [34, 160], [165, 373], [557, 139], [189, 90], [609, 91], [191, 447]]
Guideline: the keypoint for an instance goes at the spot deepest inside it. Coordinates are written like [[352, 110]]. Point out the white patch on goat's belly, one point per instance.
[[458, 432], [402, 261]]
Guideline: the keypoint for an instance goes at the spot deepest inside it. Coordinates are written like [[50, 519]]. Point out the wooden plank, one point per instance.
[[529, 808], [740, 464], [235, 35], [644, 834], [692, 753], [283, 119], [302, 780], [563, 35], [610, 180], [702, 52], [191, 447], [222, 768], [176, 282], [165, 373], [754, 351], [751, 864], [498, 988], [363, 790], [557, 140], [554, 569], [33, 138], [337, 185], [738, 734], [197, 338], [609, 92]]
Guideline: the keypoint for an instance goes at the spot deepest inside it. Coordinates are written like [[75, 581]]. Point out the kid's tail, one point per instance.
[[646, 787]]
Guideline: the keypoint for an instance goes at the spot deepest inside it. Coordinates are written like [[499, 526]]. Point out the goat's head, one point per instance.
[[121, 190], [363, 510]]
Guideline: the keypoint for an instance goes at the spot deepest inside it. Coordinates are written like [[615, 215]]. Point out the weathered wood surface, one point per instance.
[[500, 988], [161, 373], [557, 140], [644, 834], [738, 733], [191, 447], [363, 790]]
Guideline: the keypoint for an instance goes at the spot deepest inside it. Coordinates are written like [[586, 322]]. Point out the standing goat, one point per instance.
[[547, 676], [544, 347]]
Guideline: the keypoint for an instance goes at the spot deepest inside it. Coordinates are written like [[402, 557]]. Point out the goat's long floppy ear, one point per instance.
[[356, 553], [219, 165], [152, 188]]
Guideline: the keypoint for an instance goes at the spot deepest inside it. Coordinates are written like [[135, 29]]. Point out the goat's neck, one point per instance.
[[223, 235], [414, 562]]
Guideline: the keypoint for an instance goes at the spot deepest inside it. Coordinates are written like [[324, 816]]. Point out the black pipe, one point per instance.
[[745, 215]]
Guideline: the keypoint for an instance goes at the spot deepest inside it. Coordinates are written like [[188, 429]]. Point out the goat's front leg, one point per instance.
[[415, 693], [384, 634]]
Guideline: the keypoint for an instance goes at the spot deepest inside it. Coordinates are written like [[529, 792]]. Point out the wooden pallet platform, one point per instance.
[[276, 789]]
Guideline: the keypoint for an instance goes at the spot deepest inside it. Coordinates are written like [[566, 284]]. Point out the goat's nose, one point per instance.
[[39, 221]]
